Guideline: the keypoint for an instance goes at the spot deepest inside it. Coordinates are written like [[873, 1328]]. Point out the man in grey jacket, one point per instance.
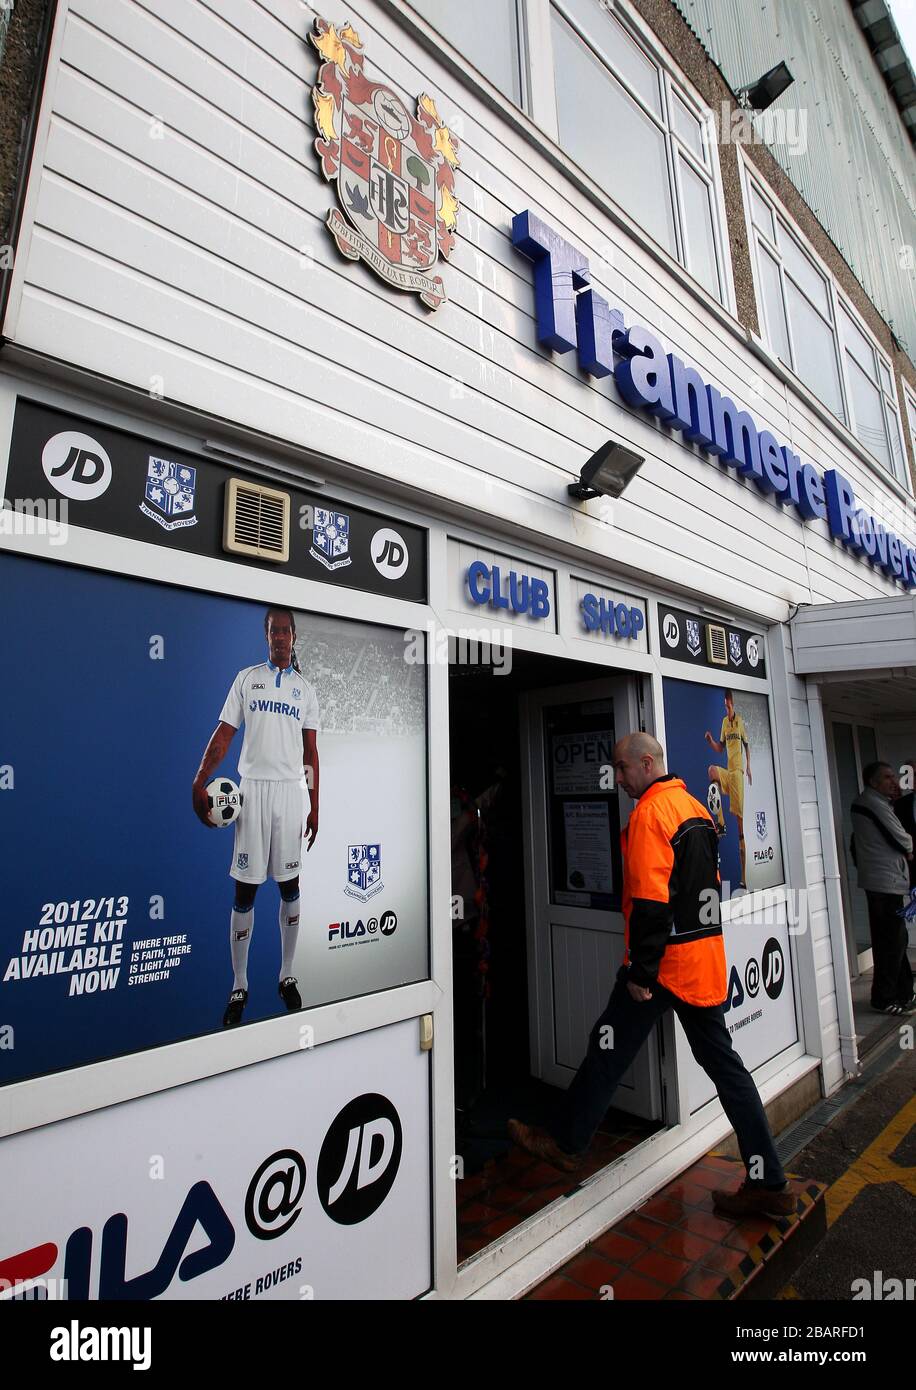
[[883, 850]]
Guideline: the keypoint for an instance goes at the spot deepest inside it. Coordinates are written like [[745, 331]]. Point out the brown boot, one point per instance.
[[753, 1200], [542, 1145]]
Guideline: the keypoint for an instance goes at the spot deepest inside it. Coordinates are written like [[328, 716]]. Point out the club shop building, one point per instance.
[[327, 309]]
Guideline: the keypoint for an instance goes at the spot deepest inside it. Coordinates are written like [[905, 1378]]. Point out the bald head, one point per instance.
[[638, 760]]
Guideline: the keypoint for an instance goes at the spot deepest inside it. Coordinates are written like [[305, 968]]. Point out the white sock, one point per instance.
[[240, 943], [289, 931]]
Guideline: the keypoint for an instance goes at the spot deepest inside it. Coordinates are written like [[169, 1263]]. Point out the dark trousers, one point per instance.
[[892, 982], [631, 1023]]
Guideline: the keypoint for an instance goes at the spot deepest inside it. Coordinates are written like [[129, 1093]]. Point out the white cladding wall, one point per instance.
[[812, 910], [177, 244]]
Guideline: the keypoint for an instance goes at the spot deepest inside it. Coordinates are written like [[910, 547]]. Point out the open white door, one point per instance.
[[573, 877]]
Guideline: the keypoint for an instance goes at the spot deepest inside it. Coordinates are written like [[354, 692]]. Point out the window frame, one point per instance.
[[536, 116], [672, 87], [522, 55], [838, 302], [909, 406]]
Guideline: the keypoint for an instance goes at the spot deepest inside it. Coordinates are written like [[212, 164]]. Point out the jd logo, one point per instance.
[[772, 967], [735, 996], [359, 1159], [76, 466], [389, 553]]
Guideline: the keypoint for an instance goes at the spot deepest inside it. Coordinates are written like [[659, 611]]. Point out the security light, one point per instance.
[[762, 93], [607, 472]]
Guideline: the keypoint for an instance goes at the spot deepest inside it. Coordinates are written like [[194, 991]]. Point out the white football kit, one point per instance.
[[275, 706]]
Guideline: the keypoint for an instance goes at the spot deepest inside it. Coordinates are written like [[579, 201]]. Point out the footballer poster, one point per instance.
[[121, 927], [719, 742]]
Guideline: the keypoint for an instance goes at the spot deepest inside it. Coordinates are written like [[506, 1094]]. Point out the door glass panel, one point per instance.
[[583, 818], [848, 782], [868, 744]]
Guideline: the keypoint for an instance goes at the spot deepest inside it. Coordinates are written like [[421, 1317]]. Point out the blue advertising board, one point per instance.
[[723, 750], [115, 914]]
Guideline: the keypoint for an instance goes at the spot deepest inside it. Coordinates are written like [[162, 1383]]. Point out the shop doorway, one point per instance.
[[854, 747], [537, 930]]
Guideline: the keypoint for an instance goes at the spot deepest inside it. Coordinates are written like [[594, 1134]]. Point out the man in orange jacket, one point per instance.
[[674, 958]]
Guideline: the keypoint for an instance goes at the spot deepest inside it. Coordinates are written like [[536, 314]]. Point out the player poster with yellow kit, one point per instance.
[[719, 741]]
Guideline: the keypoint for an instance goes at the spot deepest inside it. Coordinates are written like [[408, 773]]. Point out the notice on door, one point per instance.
[[578, 760], [588, 846]]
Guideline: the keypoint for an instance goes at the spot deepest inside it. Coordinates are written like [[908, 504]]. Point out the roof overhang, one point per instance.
[[877, 24], [875, 637]]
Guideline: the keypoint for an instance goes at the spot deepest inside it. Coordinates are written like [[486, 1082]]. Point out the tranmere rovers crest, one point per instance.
[[395, 173], [762, 824], [734, 647], [331, 539], [169, 494], [693, 636], [364, 871]]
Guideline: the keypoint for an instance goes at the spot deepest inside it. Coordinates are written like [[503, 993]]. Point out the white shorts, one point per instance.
[[268, 832]]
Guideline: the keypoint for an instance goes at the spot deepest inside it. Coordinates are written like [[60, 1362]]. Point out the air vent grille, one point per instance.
[[716, 645], [256, 521]]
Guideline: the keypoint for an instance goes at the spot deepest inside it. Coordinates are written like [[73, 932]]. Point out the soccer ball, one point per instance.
[[224, 800], [714, 800]]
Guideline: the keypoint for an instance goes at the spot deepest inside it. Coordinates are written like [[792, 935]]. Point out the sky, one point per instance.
[[904, 14]]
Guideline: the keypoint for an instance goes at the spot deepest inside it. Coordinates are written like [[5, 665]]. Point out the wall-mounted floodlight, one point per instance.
[[757, 96], [607, 472]]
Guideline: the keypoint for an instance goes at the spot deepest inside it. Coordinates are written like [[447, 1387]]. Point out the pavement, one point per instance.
[[867, 1158]]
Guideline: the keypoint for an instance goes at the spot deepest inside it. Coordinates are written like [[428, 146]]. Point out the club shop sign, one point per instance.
[[600, 615], [571, 315], [499, 588], [514, 592]]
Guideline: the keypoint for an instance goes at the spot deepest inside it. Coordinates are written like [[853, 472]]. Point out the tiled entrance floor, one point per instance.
[[514, 1186], [676, 1247]]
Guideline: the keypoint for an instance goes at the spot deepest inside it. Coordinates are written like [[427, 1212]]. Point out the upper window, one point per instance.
[[623, 119], [813, 331], [910, 399], [487, 33], [614, 110]]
